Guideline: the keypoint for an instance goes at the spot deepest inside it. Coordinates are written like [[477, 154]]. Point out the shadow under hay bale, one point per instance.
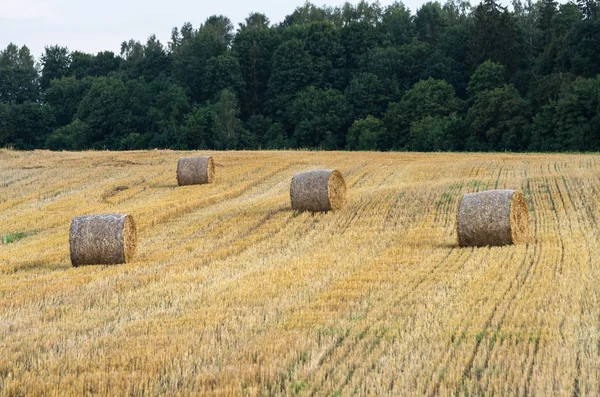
[[195, 171], [318, 191], [102, 239], [492, 218]]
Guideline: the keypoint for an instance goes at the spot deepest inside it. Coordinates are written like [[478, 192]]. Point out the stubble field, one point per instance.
[[233, 293]]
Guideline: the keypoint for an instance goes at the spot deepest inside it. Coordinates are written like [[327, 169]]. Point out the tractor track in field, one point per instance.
[[581, 222], [515, 285], [527, 276], [349, 344], [371, 342], [256, 226], [203, 202]]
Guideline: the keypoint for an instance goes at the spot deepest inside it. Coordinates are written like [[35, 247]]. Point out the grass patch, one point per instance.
[[14, 237]]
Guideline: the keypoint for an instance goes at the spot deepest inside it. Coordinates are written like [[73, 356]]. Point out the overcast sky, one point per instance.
[[102, 25]]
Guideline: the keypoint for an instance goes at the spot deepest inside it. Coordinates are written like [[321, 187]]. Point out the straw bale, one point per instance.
[[195, 171], [492, 218], [102, 239], [318, 191]]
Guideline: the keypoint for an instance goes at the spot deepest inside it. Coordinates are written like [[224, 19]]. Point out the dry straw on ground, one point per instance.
[[494, 218], [195, 171], [102, 239], [230, 294], [318, 191]]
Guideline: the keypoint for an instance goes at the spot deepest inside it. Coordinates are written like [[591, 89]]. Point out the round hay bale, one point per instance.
[[102, 239], [492, 218], [318, 191], [195, 171]]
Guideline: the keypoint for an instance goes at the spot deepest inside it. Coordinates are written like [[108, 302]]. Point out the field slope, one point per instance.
[[231, 292]]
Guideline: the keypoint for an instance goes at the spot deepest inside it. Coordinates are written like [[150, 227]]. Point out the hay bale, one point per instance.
[[494, 218], [102, 239], [195, 171], [318, 191]]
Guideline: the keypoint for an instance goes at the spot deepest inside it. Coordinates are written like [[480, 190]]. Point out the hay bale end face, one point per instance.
[[493, 218], [102, 239], [318, 191], [195, 171]]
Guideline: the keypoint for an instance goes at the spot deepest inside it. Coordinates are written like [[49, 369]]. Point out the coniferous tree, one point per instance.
[[494, 36], [18, 75]]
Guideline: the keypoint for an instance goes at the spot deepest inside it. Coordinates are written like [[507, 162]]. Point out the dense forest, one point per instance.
[[356, 77]]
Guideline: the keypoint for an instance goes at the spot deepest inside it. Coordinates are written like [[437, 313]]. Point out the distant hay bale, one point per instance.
[[195, 171], [102, 239], [318, 191], [494, 218]]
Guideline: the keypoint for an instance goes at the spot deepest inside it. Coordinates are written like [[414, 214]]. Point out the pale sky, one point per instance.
[[93, 26]]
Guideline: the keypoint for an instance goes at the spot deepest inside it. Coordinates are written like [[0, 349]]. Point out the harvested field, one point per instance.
[[232, 292]]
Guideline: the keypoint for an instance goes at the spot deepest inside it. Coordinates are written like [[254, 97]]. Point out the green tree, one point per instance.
[[306, 14], [494, 36], [442, 67], [366, 96], [577, 116], [220, 29], [453, 43], [55, 64], [551, 75], [73, 136], [548, 11], [25, 126], [392, 66], [397, 24], [434, 133], [368, 12], [572, 121], [589, 8], [427, 98], [156, 60], [567, 18], [113, 108], [546, 89], [527, 16], [399, 68], [196, 132], [357, 39], [292, 71], [366, 134], [276, 138], [64, 96], [430, 22], [488, 76], [253, 46], [323, 44], [18, 75], [227, 127], [543, 130], [553, 38], [148, 61], [499, 120], [169, 105], [222, 72], [257, 127], [88, 65], [256, 21], [581, 52], [320, 118], [196, 48]]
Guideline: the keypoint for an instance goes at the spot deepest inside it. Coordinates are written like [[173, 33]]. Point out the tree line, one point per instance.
[[355, 77]]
